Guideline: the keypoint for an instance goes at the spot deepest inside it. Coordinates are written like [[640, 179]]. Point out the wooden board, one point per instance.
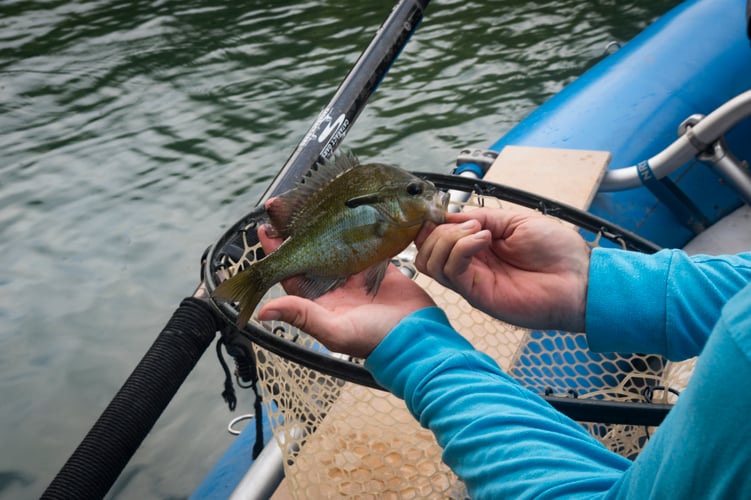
[[570, 176]]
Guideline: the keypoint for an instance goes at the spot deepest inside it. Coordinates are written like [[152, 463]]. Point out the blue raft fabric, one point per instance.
[[506, 442]]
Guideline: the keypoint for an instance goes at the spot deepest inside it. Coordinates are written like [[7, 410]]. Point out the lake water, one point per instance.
[[132, 133]]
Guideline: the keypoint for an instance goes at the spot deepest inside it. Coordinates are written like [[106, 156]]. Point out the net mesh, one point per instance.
[[341, 439]]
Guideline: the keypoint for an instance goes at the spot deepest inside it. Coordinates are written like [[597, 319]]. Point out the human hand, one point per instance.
[[523, 268], [347, 319]]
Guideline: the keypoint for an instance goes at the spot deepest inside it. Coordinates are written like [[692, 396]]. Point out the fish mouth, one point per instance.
[[437, 211]]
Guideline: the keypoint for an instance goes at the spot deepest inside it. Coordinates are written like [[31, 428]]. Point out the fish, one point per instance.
[[341, 219]]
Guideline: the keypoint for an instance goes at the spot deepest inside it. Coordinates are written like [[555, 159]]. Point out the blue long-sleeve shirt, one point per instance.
[[506, 442]]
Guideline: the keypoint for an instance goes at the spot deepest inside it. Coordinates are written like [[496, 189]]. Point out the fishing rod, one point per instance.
[[333, 123], [104, 452]]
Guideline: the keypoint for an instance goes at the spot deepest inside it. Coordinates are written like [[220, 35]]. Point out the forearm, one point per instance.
[[502, 440], [701, 450], [665, 303]]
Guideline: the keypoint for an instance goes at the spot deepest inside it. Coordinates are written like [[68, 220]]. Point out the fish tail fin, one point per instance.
[[247, 288]]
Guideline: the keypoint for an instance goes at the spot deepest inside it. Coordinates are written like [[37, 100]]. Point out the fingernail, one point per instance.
[[467, 224], [270, 315], [480, 235]]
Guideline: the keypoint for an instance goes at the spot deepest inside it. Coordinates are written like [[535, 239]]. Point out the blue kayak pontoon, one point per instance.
[[690, 61]]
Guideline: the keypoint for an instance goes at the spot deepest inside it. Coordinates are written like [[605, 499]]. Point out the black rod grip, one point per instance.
[[105, 451]]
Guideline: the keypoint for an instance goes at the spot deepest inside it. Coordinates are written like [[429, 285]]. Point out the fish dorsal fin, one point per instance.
[[340, 162], [323, 173], [283, 209]]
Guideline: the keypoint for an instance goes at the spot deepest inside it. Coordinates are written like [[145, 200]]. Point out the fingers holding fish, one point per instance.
[[339, 332], [462, 256], [447, 251], [317, 321], [347, 319], [266, 237]]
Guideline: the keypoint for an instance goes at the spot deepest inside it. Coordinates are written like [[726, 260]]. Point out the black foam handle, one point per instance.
[[105, 451]]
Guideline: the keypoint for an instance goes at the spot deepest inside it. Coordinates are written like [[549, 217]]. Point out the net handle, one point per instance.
[[104, 452]]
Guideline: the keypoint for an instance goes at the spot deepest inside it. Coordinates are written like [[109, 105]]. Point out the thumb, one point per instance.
[[304, 314], [297, 311]]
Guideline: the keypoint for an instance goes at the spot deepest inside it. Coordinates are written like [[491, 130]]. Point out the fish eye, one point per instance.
[[413, 188]]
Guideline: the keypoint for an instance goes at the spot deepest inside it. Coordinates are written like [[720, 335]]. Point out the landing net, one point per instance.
[[344, 439]]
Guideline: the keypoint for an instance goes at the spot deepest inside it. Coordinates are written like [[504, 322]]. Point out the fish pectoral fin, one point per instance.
[[374, 277], [312, 288]]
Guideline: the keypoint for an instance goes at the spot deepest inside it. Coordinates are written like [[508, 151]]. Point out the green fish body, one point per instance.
[[340, 220]]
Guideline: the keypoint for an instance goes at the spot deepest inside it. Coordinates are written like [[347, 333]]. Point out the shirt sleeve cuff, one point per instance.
[[626, 301]]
